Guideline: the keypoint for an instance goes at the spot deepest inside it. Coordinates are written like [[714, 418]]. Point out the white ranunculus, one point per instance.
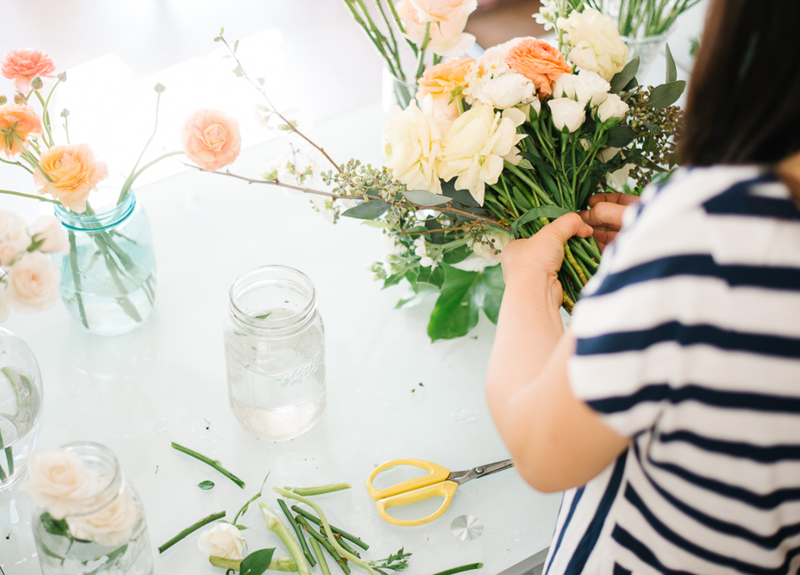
[[33, 282], [113, 525], [412, 148], [475, 146], [567, 114], [14, 237], [223, 540], [591, 88], [612, 107], [500, 87], [59, 482], [50, 232], [447, 19], [596, 45]]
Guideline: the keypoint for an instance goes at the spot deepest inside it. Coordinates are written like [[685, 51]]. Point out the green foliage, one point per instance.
[[625, 76], [426, 198], [666, 94], [369, 210], [256, 562], [672, 70], [206, 485]]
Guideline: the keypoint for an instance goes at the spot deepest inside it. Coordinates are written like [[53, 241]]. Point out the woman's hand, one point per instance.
[[605, 215]]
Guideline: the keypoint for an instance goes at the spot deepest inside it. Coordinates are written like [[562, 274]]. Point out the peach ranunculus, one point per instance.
[[18, 120], [539, 62], [73, 172], [439, 82], [448, 19], [211, 139], [22, 66]]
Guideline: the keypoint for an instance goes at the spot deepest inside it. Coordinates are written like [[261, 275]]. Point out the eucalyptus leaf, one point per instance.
[[426, 198], [370, 210], [622, 78], [672, 70], [206, 485], [620, 136], [461, 196], [256, 562], [666, 94]]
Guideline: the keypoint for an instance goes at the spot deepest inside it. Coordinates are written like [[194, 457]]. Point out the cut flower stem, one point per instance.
[[191, 529], [275, 525], [215, 464], [461, 569], [296, 527], [319, 490], [314, 519]]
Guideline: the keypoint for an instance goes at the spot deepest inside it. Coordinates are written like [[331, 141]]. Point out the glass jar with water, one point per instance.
[[275, 353]]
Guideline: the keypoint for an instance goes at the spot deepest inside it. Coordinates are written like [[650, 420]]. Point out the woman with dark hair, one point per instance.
[[670, 410]]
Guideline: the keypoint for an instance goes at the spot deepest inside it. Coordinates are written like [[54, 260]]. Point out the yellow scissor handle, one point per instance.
[[437, 474], [446, 489]]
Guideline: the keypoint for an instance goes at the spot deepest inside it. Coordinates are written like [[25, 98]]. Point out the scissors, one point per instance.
[[439, 482]]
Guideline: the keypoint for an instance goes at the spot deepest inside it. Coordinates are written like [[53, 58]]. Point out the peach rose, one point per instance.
[[439, 82], [211, 139], [539, 62], [22, 66], [18, 120], [448, 19], [73, 171], [33, 282]]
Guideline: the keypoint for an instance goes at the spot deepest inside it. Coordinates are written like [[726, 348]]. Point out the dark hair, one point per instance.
[[743, 104]]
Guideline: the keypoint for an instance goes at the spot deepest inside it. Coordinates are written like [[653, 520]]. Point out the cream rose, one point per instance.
[[499, 86], [3, 303], [59, 482], [475, 146], [612, 107], [14, 238], [223, 540], [50, 232], [591, 88], [567, 114], [595, 41], [113, 525], [33, 282], [447, 18], [412, 147]]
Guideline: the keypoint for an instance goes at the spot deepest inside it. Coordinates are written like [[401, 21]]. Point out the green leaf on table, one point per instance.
[[426, 198], [620, 136], [463, 295], [206, 485], [672, 70], [367, 210], [551, 212], [256, 562], [666, 94], [623, 78]]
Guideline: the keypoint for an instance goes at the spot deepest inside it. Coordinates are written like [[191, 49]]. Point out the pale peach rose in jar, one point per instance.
[[51, 234], [22, 66], [112, 525], [211, 139], [448, 19], [18, 122], [14, 238], [72, 172], [59, 481], [539, 62], [439, 82], [33, 282]]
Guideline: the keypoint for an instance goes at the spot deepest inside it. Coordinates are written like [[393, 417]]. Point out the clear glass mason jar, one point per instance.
[[104, 533], [275, 353], [108, 278], [20, 406]]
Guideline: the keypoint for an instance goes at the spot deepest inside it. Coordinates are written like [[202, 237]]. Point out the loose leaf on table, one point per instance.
[[666, 94], [463, 295], [206, 485], [539, 212], [426, 198], [623, 78], [367, 210], [672, 70], [256, 562]]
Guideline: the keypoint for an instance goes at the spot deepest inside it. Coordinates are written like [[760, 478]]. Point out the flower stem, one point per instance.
[[10, 458], [318, 490], [191, 529], [314, 519], [280, 564], [275, 525], [421, 60], [323, 564], [215, 464], [325, 543], [76, 278], [469, 567], [296, 527], [132, 178], [29, 196]]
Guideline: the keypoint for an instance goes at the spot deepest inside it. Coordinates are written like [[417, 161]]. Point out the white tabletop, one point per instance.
[[166, 381]]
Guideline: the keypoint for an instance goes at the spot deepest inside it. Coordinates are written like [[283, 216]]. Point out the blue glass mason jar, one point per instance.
[[108, 277]]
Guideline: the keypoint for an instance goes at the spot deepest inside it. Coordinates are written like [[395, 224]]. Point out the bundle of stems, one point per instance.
[[636, 18]]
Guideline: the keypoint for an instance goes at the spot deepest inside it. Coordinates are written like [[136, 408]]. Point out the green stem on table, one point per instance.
[[275, 525], [469, 567], [342, 551], [246, 506], [29, 196], [191, 529], [297, 531], [323, 564], [421, 59], [76, 277], [318, 490], [340, 561], [314, 519], [344, 544], [215, 464], [280, 564]]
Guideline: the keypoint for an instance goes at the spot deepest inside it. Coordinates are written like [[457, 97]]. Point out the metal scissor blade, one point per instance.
[[462, 477]]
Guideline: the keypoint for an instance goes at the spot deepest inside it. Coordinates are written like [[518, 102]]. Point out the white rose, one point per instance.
[[448, 18], [565, 86], [223, 540], [59, 482], [534, 109], [612, 107], [595, 41], [619, 179], [412, 147], [591, 88], [113, 525], [477, 144], [33, 282], [14, 237], [500, 87], [51, 233], [607, 154], [567, 114]]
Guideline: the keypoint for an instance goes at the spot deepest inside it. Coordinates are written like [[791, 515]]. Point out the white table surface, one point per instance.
[[166, 381]]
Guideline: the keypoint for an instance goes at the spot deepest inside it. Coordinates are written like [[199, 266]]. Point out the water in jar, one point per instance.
[[19, 406]]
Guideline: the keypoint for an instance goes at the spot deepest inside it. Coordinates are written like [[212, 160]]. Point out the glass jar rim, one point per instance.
[[97, 221], [108, 494], [285, 324]]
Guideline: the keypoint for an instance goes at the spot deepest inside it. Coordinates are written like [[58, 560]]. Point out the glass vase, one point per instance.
[[103, 532], [108, 278], [646, 48], [275, 353], [396, 92], [20, 406]]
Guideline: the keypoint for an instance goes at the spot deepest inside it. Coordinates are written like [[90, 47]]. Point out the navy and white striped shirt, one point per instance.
[[688, 341]]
